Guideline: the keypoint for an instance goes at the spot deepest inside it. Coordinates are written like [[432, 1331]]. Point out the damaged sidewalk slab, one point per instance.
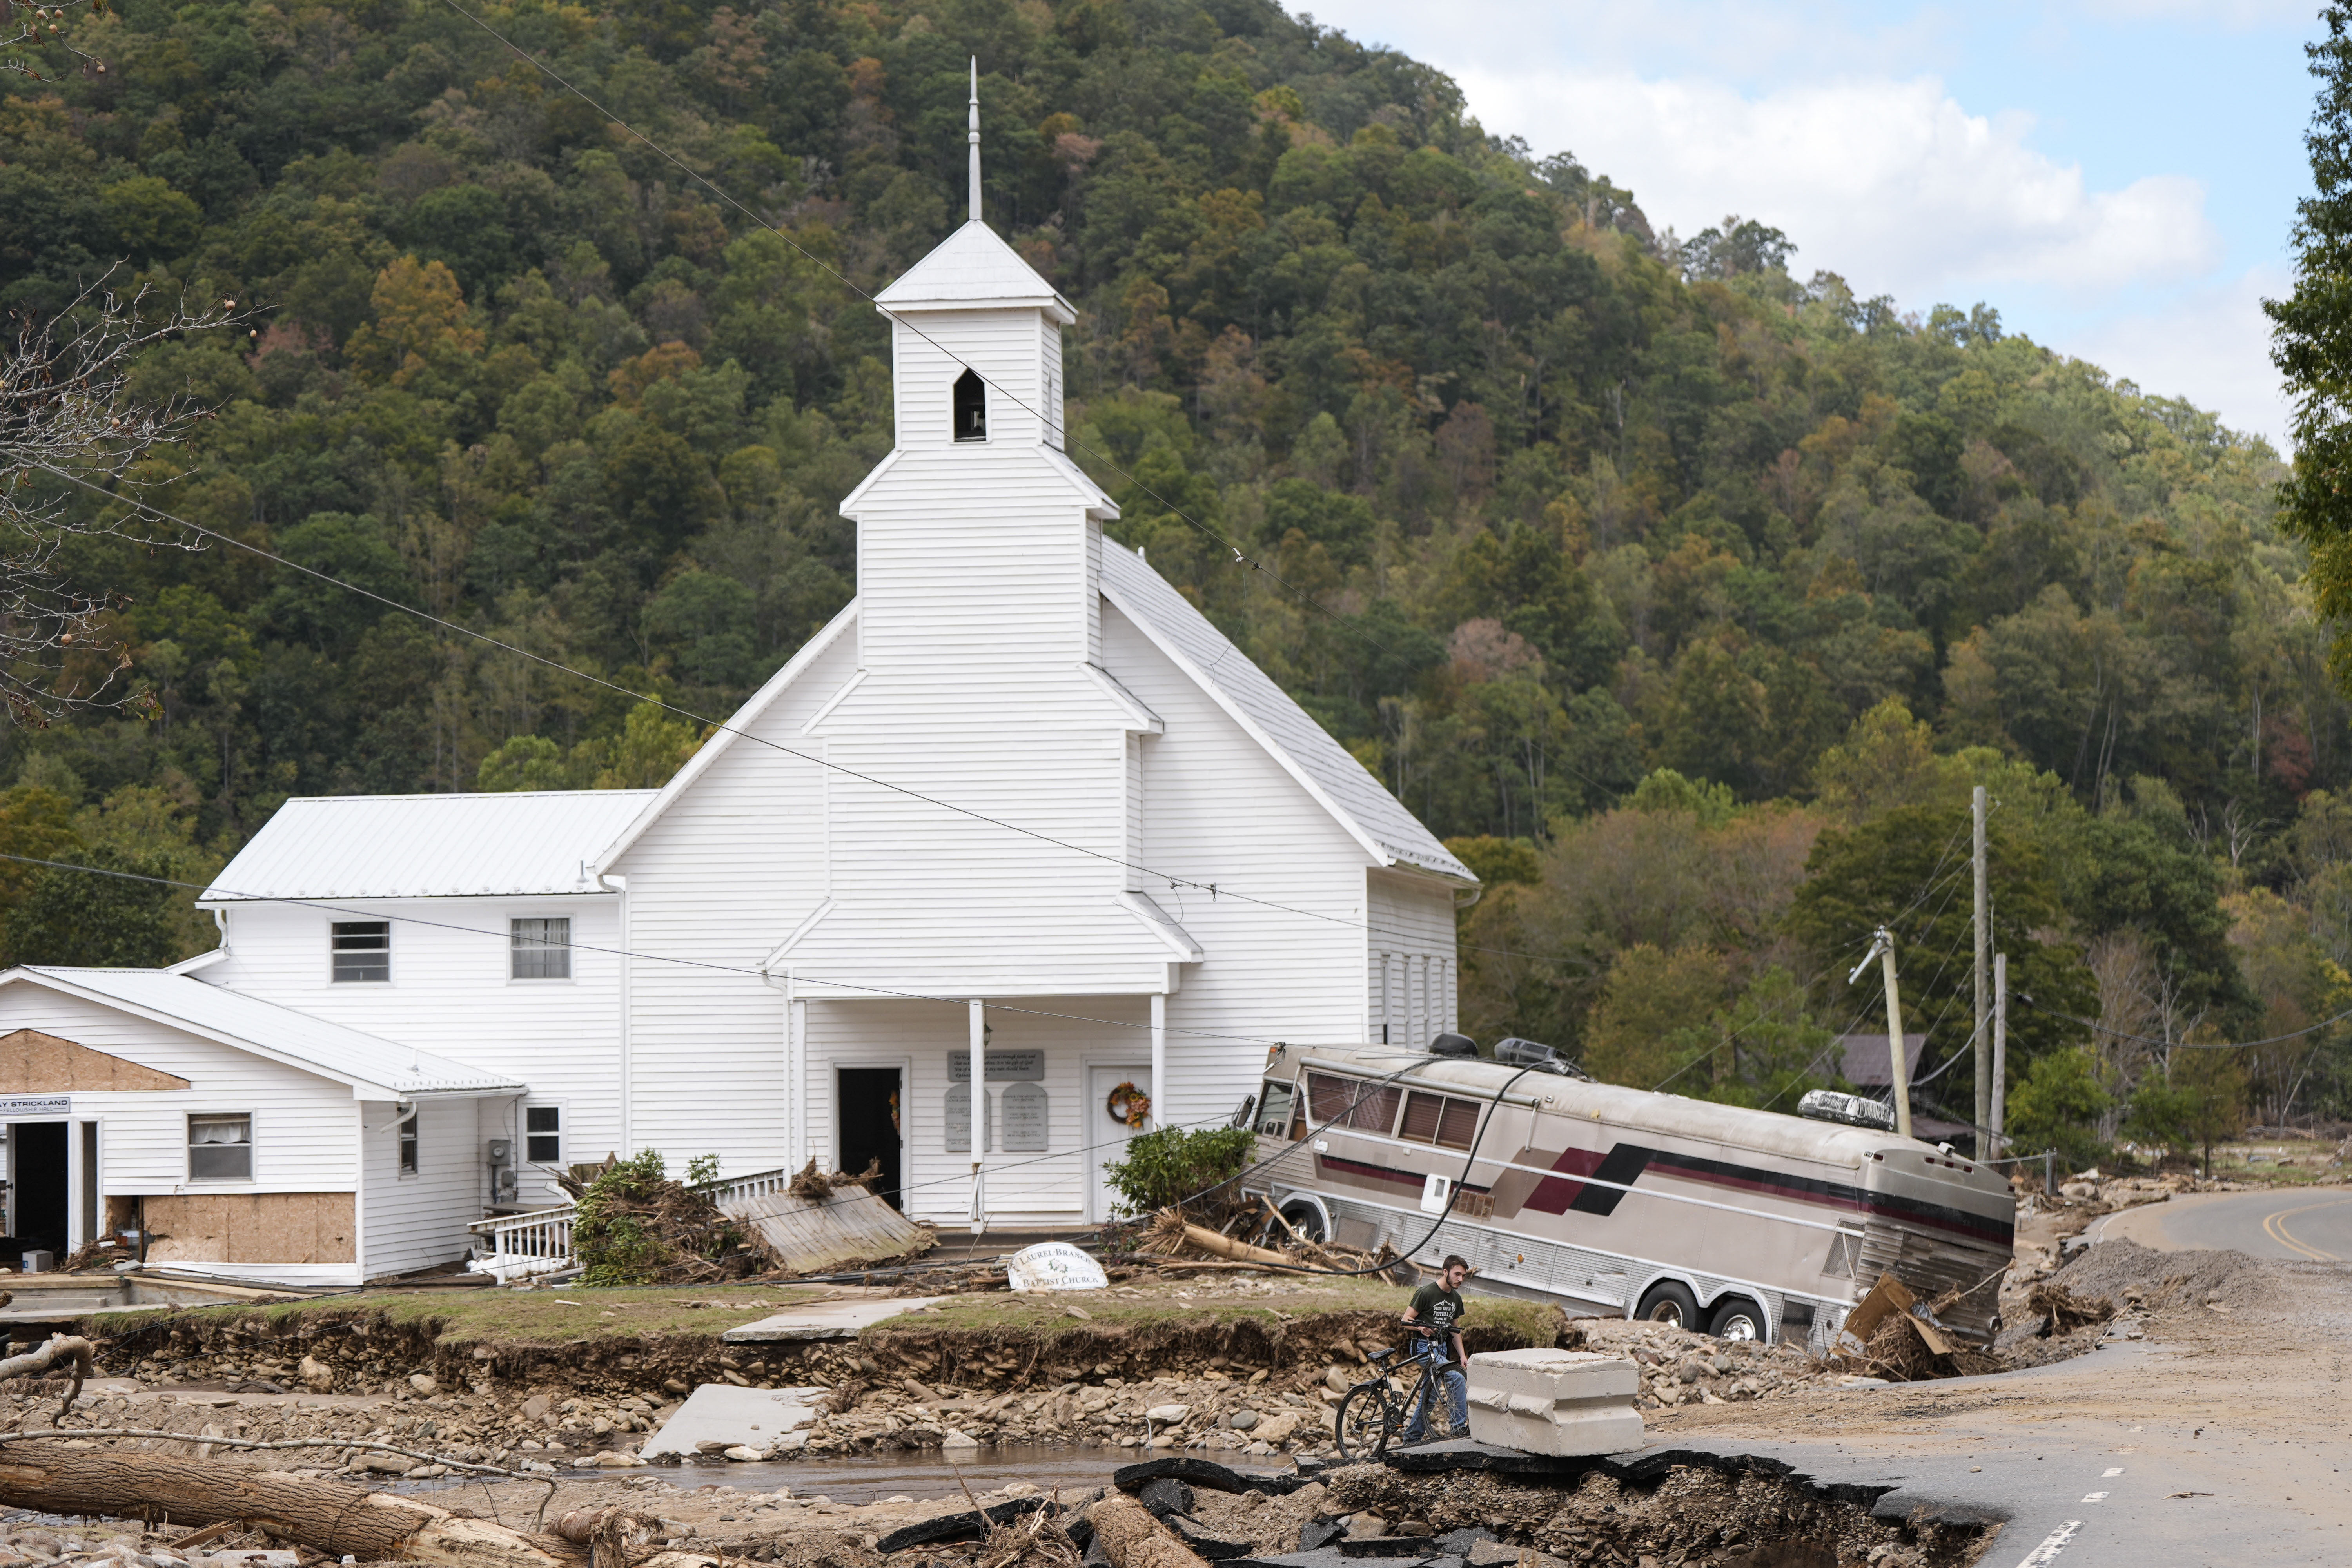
[[838, 1318], [722, 1419]]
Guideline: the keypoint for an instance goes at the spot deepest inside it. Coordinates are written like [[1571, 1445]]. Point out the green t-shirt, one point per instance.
[[1440, 1310]]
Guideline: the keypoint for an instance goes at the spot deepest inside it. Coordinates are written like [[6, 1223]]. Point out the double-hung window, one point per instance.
[[363, 950], [540, 949], [542, 1134], [220, 1148], [408, 1149]]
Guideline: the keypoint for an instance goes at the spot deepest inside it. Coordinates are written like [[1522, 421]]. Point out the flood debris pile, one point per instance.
[[1171, 1240], [636, 1225], [1682, 1367], [1892, 1334], [1256, 1413]]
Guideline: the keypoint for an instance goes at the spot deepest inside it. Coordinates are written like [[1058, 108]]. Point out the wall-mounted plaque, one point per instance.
[[958, 1117], [999, 1066], [1025, 1107]]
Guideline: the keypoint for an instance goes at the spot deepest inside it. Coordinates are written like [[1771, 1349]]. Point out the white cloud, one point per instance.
[[2208, 344], [1891, 183]]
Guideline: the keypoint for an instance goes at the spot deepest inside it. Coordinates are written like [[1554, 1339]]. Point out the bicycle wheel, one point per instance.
[[1367, 1422]]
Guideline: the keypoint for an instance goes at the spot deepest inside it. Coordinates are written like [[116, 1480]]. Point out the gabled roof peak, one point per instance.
[[975, 270]]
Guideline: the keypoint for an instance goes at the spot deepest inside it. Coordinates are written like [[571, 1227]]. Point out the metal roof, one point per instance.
[[332, 1050], [972, 269], [1343, 781], [523, 843]]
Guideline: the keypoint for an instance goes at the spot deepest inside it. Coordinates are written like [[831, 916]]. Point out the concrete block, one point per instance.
[[1561, 1403], [719, 1412]]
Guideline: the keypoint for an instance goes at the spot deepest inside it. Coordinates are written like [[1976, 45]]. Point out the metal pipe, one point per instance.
[[978, 1104], [1895, 1037]]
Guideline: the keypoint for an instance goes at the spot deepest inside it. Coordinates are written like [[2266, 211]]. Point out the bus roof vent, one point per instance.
[[1853, 1109], [1518, 1053], [1453, 1046]]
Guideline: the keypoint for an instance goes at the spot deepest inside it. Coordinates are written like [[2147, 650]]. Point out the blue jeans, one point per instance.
[[1457, 1400]]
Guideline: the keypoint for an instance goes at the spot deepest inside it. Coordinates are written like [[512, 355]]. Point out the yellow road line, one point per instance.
[[2275, 1229]]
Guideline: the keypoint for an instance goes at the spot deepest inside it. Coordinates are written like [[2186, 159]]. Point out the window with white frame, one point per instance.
[[409, 1147], [363, 950], [220, 1148], [541, 949], [542, 1134]]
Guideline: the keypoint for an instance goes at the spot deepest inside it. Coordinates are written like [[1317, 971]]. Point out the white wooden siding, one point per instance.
[[305, 1127], [452, 993], [1009, 350], [1412, 979], [1023, 1188], [730, 870], [1220, 810], [414, 1222]]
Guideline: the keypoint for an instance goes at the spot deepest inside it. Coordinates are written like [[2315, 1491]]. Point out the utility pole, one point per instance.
[[1882, 947], [1981, 919], [2000, 1052]]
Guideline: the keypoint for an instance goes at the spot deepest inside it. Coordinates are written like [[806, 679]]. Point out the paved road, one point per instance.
[[2144, 1470], [2310, 1224]]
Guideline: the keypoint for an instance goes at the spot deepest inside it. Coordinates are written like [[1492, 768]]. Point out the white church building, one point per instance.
[[1020, 800]]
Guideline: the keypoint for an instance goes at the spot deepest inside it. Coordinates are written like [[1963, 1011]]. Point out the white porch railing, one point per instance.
[[518, 1246]]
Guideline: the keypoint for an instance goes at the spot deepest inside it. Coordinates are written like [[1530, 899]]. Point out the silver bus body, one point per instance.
[[1593, 1195]]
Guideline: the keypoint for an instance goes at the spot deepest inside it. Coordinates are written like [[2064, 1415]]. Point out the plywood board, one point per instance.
[[34, 1063], [251, 1228]]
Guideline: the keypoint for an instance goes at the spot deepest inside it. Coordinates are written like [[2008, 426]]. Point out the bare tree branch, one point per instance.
[[68, 413]]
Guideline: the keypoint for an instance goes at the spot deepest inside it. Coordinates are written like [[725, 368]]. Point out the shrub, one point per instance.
[[1175, 1164]]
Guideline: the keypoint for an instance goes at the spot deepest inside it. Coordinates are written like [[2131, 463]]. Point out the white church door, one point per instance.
[[1106, 1135]]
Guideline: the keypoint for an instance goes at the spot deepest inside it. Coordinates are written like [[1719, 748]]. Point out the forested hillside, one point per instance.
[[1577, 505]]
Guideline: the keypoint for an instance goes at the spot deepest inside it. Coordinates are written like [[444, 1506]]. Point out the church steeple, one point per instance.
[[972, 137]]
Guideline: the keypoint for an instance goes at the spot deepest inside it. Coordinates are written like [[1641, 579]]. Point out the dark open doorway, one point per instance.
[[37, 1154], [869, 1125]]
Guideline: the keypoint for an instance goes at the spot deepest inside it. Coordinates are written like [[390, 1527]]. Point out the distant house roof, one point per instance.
[[376, 1067], [1321, 763], [973, 268], [525, 843], [1869, 1064]]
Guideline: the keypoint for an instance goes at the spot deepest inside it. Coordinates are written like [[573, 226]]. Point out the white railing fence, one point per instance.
[[539, 1241]]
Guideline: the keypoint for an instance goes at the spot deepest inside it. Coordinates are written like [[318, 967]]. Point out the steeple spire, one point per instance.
[[972, 136]]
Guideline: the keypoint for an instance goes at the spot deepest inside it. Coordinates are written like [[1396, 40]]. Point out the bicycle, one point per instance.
[[1375, 1413]]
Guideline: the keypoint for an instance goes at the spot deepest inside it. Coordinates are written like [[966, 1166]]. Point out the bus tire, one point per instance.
[[1307, 1217], [1670, 1302], [1738, 1318]]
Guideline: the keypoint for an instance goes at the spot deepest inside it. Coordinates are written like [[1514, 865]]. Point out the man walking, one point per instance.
[[1436, 1315]]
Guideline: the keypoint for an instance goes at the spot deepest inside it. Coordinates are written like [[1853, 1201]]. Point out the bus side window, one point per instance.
[[1274, 1107]]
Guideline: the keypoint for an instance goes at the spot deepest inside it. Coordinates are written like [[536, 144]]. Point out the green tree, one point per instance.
[[87, 916], [2312, 337]]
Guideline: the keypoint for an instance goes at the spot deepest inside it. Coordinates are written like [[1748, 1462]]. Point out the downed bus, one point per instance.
[[1614, 1201]]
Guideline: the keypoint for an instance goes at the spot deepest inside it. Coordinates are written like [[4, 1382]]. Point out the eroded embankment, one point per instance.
[[328, 1350], [1677, 1507]]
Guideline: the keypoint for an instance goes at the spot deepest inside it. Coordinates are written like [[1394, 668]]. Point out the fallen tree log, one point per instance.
[[325, 1515], [1131, 1538]]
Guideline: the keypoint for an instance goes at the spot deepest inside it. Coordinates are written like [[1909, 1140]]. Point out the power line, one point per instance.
[[622, 951], [1239, 556], [1214, 889]]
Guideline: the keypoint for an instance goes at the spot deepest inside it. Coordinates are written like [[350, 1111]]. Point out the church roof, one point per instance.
[[519, 842], [973, 269], [1297, 739]]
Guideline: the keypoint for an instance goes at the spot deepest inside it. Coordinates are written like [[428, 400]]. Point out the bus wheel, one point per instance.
[[1670, 1302], [1737, 1318], [1306, 1219]]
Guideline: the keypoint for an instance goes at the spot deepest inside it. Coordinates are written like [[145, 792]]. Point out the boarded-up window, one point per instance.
[[1351, 1102]]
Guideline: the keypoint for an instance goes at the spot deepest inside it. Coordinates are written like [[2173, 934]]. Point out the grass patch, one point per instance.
[[536, 1317]]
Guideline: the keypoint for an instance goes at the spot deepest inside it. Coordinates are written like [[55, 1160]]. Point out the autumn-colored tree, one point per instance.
[[419, 321]]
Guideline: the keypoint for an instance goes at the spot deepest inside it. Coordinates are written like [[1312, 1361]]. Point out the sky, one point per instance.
[[2116, 178]]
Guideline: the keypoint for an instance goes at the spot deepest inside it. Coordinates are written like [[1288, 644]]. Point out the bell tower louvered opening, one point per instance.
[[971, 407]]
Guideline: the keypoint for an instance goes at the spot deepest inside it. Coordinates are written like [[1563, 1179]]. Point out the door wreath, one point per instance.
[[1127, 1105]]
